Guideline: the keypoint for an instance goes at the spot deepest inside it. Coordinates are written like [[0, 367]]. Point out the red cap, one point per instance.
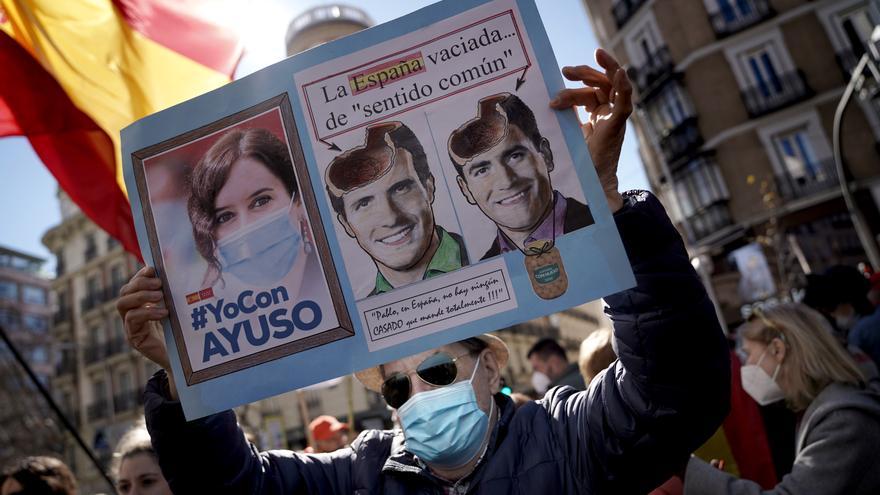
[[323, 427]]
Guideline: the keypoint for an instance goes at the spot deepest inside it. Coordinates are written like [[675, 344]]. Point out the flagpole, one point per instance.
[[61, 416]]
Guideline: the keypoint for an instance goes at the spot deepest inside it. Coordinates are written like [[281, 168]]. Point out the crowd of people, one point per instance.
[[664, 403]]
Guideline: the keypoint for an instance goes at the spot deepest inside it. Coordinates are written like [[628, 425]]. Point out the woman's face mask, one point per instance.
[[759, 384], [262, 252]]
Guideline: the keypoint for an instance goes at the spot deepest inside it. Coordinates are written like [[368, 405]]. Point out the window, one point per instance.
[[39, 355], [8, 290], [36, 323], [699, 185], [124, 381], [59, 266], [9, 317], [63, 303], [112, 243], [669, 109], [33, 295], [93, 287], [760, 61], [91, 247], [99, 390], [849, 24], [795, 152], [117, 277], [118, 328], [763, 67]]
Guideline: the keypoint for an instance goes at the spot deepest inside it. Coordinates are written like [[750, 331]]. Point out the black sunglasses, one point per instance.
[[437, 370]]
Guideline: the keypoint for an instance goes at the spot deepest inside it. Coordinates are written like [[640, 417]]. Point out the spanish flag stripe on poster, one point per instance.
[[106, 63]]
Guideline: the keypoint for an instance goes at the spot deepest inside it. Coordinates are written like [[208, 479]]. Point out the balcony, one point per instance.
[[809, 179], [784, 90], [95, 352], [739, 15], [848, 59], [127, 401], [623, 10], [653, 73], [682, 140], [66, 366], [100, 296], [116, 346], [709, 220], [98, 410], [63, 315]]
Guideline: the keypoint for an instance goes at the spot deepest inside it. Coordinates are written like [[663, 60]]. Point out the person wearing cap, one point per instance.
[[633, 428], [383, 193], [504, 164], [328, 433]]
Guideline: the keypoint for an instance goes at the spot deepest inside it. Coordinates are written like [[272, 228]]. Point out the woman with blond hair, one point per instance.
[[792, 355]]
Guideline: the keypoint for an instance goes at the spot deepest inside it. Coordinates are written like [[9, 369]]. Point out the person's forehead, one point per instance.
[[401, 168], [246, 175], [515, 136]]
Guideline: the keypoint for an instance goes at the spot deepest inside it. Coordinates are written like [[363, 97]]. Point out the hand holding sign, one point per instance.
[[608, 100], [137, 306]]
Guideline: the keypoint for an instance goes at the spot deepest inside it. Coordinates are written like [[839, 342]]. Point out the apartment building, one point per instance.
[[98, 380], [735, 101], [26, 422]]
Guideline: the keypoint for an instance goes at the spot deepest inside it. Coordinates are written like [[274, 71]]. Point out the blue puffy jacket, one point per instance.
[[635, 425]]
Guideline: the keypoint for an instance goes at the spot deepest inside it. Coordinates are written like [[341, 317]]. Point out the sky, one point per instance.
[[28, 200]]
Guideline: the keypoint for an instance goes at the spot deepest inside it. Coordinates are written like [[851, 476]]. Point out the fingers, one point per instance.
[[145, 279], [136, 320], [609, 63], [587, 75], [138, 299], [622, 96], [589, 98]]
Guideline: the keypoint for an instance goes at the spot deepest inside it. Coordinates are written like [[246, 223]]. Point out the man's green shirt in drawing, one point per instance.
[[450, 255]]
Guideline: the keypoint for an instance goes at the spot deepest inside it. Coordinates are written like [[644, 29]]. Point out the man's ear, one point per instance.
[[547, 153], [493, 373], [462, 184], [345, 225], [430, 188]]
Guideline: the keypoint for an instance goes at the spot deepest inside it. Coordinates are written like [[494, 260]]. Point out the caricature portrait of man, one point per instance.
[[504, 165], [383, 193]]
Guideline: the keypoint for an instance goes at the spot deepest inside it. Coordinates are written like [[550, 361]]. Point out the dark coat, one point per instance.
[[577, 215], [636, 424]]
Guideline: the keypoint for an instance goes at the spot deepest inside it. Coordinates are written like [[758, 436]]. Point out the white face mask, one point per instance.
[[540, 382], [759, 385]]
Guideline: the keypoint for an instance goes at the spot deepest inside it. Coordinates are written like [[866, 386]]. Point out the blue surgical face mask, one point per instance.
[[262, 252], [445, 427]]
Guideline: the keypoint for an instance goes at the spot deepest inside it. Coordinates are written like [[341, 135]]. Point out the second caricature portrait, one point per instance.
[[383, 194]]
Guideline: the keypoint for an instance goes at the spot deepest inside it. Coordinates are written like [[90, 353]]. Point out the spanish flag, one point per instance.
[[73, 73]]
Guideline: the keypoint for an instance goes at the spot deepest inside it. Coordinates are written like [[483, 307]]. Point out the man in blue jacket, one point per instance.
[[633, 428]]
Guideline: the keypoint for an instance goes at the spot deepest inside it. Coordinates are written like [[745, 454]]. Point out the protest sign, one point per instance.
[[375, 197]]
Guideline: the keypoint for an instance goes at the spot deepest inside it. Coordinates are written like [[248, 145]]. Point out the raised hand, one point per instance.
[[607, 97], [139, 305]]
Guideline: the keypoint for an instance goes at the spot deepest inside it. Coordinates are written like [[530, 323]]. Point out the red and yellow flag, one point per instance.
[[74, 73]]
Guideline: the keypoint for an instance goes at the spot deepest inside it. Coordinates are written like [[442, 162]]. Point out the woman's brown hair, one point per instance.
[[210, 174]]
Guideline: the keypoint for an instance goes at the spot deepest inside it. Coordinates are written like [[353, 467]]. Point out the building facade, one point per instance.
[[735, 101], [98, 380], [27, 424]]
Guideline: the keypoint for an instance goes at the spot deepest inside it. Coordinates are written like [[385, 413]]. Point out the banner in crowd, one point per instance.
[[378, 196]]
